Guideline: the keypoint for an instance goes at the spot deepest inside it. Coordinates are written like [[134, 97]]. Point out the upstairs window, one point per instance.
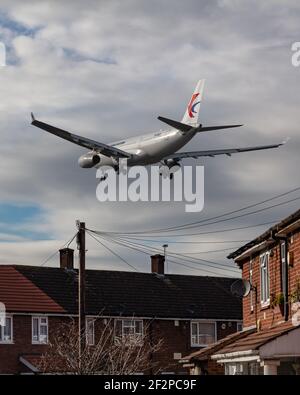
[[283, 267], [129, 330], [6, 332], [39, 330], [251, 282], [202, 333], [264, 280]]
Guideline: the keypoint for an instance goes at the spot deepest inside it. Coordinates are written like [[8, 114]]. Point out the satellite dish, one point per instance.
[[241, 288]]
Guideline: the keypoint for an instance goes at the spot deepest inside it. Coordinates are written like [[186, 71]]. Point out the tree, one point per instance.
[[111, 353]]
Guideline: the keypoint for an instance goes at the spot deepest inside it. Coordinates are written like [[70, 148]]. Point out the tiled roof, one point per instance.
[[116, 293], [267, 235], [206, 352], [31, 361], [255, 340], [20, 294]]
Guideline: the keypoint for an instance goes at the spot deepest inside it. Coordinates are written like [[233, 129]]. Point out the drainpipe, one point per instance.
[[276, 237]]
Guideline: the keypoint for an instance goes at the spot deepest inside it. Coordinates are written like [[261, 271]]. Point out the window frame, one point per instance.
[[282, 266], [3, 341], [89, 320], [123, 335], [39, 318], [264, 268], [198, 322], [251, 281]]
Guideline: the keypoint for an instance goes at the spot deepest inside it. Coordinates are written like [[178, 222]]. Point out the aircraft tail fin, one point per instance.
[[192, 111]]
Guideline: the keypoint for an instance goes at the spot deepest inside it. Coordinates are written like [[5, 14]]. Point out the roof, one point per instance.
[[117, 293], [206, 352], [31, 361], [257, 339], [268, 234], [18, 293]]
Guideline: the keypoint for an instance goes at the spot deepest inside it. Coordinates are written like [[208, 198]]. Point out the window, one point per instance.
[[203, 333], [6, 332], [90, 331], [264, 280], [250, 279], [239, 326], [129, 329], [40, 330]]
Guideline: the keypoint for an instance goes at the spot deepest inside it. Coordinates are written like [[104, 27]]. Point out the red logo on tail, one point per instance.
[[192, 105]]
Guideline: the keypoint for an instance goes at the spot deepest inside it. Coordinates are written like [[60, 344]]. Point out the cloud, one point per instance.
[[106, 70]]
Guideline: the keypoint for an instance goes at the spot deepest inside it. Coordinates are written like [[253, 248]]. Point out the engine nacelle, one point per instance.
[[89, 160], [171, 162], [169, 168]]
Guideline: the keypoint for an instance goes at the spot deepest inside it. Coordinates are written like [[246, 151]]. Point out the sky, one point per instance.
[[106, 70]]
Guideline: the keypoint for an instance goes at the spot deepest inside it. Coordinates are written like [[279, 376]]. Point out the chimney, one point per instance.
[[66, 258], [158, 264]]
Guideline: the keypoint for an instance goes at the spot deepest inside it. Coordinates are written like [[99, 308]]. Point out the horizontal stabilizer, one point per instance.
[[209, 128], [183, 127]]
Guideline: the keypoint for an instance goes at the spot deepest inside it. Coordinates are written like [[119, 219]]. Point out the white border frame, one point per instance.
[[203, 322], [37, 341], [12, 330], [266, 303]]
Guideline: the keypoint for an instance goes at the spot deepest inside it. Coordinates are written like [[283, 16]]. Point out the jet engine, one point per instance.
[[89, 160], [169, 167], [172, 162]]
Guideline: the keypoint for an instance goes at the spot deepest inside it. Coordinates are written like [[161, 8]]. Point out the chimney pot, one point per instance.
[[158, 264], [66, 258]]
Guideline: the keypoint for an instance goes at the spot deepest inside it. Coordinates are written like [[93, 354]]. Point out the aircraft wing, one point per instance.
[[226, 151], [104, 149]]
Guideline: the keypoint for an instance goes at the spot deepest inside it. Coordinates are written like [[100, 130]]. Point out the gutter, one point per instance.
[[235, 354]]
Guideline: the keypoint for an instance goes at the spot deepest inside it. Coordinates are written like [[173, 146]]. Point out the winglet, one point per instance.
[[32, 117], [285, 140]]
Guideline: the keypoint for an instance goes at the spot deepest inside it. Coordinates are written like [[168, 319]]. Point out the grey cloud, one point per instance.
[[160, 49]]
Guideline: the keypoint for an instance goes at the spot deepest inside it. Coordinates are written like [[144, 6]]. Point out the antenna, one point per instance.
[[241, 288]]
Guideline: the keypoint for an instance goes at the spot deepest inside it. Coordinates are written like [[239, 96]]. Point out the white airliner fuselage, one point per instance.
[[151, 148]]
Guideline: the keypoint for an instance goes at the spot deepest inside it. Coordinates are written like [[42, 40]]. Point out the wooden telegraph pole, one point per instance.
[[81, 289]]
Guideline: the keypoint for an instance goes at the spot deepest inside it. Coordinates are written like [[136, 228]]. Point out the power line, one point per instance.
[[210, 223], [186, 258], [198, 233], [205, 252], [196, 223], [170, 260], [67, 244], [142, 248], [113, 252]]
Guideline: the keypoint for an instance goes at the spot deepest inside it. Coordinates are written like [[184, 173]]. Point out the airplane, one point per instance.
[[159, 147]]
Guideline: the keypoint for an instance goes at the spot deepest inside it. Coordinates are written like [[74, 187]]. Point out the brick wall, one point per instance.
[[176, 342], [268, 316], [22, 343]]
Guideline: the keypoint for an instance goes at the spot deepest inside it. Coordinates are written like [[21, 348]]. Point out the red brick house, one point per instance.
[[184, 311], [270, 341]]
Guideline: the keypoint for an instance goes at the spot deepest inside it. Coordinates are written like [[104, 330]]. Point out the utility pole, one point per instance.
[[81, 289]]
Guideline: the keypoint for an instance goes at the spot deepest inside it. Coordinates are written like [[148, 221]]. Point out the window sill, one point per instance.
[[265, 306], [6, 342], [200, 345], [40, 343]]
